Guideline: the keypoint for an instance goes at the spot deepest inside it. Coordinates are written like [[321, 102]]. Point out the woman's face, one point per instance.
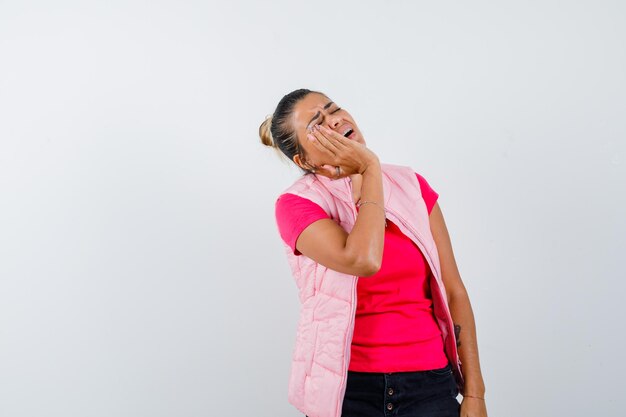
[[315, 109]]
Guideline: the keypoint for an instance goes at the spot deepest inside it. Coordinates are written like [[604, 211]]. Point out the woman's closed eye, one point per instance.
[[318, 121], [334, 111]]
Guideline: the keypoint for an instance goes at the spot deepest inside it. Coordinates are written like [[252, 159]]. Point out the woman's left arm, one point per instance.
[[462, 316]]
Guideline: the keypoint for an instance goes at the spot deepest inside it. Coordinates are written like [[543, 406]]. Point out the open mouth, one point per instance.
[[348, 132]]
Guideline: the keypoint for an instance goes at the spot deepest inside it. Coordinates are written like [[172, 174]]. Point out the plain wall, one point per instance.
[[141, 271]]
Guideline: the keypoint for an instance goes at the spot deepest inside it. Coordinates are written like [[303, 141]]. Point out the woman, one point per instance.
[[386, 326]]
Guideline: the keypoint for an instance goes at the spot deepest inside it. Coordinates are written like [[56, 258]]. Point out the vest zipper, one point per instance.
[[430, 261], [347, 348]]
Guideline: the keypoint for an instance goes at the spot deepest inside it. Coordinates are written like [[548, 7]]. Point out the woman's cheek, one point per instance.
[[319, 157]]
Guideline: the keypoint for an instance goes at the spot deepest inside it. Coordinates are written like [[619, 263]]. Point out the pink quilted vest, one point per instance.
[[321, 355]]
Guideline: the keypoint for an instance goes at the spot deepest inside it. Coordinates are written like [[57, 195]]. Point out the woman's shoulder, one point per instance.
[[429, 195], [288, 199], [302, 194], [405, 171], [399, 171], [408, 173], [301, 185], [293, 214]]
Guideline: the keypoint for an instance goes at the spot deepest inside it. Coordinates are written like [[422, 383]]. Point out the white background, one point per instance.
[[141, 271]]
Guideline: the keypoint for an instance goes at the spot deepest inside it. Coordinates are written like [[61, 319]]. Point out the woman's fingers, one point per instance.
[[317, 142], [327, 171], [329, 143], [335, 138], [341, 152]]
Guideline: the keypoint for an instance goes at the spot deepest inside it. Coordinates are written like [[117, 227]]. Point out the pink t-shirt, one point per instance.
[[395, 329]]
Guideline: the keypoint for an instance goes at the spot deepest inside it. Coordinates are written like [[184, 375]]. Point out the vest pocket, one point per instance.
[[309, 364]]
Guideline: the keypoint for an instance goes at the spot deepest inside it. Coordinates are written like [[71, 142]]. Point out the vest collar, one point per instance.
[[342, 188]]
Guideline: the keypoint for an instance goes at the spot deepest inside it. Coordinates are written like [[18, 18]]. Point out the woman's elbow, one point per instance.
[[457, 294], [367, 267]]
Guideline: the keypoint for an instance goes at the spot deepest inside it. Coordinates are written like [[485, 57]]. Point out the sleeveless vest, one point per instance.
[[319, 364]]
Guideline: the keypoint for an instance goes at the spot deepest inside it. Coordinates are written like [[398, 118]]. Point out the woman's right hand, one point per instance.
[[351, 156]]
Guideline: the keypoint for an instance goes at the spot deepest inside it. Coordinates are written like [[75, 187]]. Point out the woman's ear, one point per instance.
[[298, 161], [302, 164]]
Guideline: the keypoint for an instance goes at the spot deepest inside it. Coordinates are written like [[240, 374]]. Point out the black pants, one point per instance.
[[429, 393]]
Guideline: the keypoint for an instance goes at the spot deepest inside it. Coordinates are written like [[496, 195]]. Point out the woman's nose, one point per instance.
[[333, 121]]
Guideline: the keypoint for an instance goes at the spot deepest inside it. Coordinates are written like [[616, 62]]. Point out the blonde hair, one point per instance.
[[265, 132]]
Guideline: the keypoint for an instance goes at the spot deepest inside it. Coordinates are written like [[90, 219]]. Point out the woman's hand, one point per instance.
[[338, 151], [473, 407]]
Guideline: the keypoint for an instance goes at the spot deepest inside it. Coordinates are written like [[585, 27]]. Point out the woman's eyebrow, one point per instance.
[[318, 113]]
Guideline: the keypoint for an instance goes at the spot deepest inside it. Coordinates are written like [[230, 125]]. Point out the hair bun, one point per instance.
[[265, 132]]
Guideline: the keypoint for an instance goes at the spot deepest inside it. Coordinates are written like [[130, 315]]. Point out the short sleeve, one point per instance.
[[430, 196], [293, 215]]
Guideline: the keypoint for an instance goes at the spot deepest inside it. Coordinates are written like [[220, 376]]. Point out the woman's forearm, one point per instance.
[[463, 316], [366, 239]]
